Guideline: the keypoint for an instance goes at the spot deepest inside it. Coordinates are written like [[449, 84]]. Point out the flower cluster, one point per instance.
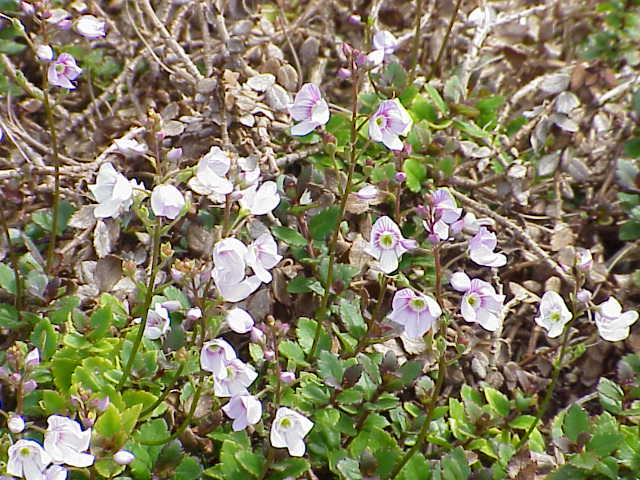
[[64, 443], [212, 179], [231, 258]]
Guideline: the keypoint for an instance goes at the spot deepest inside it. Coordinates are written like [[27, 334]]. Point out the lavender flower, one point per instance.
[[63, 71], [215, 355], [481, 248], [418, 313], [245, 410], [239, 320], [308, 108], [387, 244], [384, 43], [389, 122], [234, 379], [480, 302]]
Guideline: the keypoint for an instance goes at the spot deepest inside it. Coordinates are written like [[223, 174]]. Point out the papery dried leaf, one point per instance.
[[562, 236], [575, 167], [200, 240], [105, 237], [260, 83], [357, 256], [108, 272], [548, 164], [288, 77], [83, 217], [309, 51], [563, 122], [277, 98], [555, 83], [566, 102]]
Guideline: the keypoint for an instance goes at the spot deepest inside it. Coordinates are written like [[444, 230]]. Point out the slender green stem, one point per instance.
[[165, 393], [155, 262], [14, 263], [442, 367], [183, 426], [415, 49], [353, 157], [436, 64], [557, 367], [56, 172]]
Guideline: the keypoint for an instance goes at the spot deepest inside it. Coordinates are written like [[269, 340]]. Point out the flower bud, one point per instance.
[[344, 73], [194, 314], [176, 275], [367, 192], [27, 8], [583, 296], [174, 154], [15, 423], [256, 335], [400, 177], [123, 457], [354, 19], [44, 53], [33, 358], [172, 305], [269, 355], [91, 27], [29, 386], [584, 260], [287, 377], [100, 404]]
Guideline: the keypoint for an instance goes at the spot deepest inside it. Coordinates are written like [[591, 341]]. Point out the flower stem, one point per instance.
[[183, 426], [415, 49], [436, 64], [14, 263], [353, 157], [56, 173], [442, 367], [557, 366], [155, 262], [165, 393]]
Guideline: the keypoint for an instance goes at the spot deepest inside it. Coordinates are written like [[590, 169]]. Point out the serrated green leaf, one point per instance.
[[329, 365], [424, 110], [306, 331], [9, 317], [45, 338], [188, 469], [604, 443], [252, 463], [498, 402], [416, 173], [324, 223], [7, 279], [610, 395], [292, 351], [11, 47], [108, 424], [576, 421]]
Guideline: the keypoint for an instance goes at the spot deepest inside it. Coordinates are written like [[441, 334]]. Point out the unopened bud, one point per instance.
[[584, 296], [194, 314], [400, 177], [33, 358], [124, 457], [344, 73], [176, 275], [100, 404], [29, 386], [172, 305], [354, 19], [15, 424], [256, 335], [44, 53], [174, 154], [269, 355], [287, 377], [27, 8], [584, 260]]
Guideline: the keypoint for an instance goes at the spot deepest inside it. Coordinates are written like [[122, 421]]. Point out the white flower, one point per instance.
[[384, 43], [387, 244], [389, 122], [245, 410], [123, 457], [56, 472], [239, 320], [289, 429], [210, 174], [112, 191], [481, 248], [308, 108], [158, 322], [613, 325], [65, 442], [90, 27], [553, 314], [15, 423], [229, 270], [367, 192], [260, 201], [130, 147], [262, 255], [417, 313], [480, 302], [27, 459], [234, 379], [470, 224], [166, 201], [215, 355], [61, 72], [442, 212]]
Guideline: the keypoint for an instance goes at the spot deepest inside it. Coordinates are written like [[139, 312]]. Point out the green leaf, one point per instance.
[[7, 279], [437, 99], [290, 467], [11, 47], [302, 284], [352, 317], [455, 466], [424, 110], [252, 463], [44, 218], [576, 421], [108, 424], [632, 148], [292, 351], [45, 338], [9, 317], [416, 173], [188, 469], [324, 223], [416, 469], [52, 402], [470, 129], [329, 365], [289, 236], [100, 321], [610, 395], [604, 443], [523, 422], [498, 402], [630, 231], [305, 332]]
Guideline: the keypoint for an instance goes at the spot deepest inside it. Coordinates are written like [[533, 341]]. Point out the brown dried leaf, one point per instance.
[[108, 272], [105, 237]]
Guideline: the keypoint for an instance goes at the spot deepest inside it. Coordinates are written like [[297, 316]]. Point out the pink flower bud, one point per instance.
[[15, 378], [287, 377], [123, 457], [44, 53], [400, 177], [15, 423], [100, 404], [344, 73], [29, 386], [176, 275], [33, 358], [584, 296], [174, 154], [354, 19], [172, 305], [269, 355], [194, 314], [27, 8], [256, 335]]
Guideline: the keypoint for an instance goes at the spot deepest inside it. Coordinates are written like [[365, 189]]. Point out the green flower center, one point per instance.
[[555, 317], [285, 423], [25, 452], [387, 240], [417, 304], [472, 301]]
